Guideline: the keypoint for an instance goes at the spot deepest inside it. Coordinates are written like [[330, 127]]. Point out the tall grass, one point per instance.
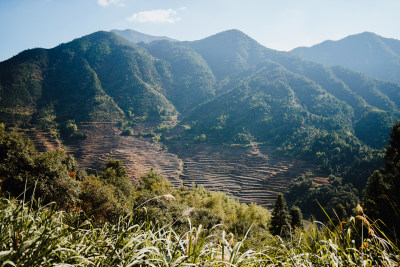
[[40, 235]]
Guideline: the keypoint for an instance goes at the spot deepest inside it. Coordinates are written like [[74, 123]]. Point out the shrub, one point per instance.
[[97, 198]]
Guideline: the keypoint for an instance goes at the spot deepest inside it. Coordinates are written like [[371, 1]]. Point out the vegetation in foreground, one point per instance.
[[35, 235], [54, 214]]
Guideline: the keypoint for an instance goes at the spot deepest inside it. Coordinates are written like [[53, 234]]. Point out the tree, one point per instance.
[[17, 161], [68, 128], [154, 182], [114, 173], [296, 217], [391, 170], [280, 218], [374, 201], [24, 171], [381, 199]]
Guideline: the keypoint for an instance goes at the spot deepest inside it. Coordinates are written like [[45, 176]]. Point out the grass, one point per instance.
[[32, 234]]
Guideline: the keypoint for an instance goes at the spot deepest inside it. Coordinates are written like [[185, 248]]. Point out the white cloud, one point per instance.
[[155, 16], [105, 3]]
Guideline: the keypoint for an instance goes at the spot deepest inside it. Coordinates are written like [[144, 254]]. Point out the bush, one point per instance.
[[128, 131], [47, 175], [97, 198], [69, 130], [114, 173]]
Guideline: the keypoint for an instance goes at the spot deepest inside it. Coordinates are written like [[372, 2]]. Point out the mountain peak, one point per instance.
[[229, 36], [137, 37], [365, 52]]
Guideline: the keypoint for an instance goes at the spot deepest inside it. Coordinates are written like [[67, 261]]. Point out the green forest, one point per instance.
[[225, 90]]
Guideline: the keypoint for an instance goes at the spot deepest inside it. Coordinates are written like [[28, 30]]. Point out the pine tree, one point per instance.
[[280, 218], [381, 198], [375, 200], [296, 217], [391, 170]]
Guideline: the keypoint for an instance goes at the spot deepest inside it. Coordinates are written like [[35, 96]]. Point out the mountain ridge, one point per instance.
[[226, 89], [137, 37], [366, 52]]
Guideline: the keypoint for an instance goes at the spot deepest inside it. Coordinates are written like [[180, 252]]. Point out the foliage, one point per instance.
[[99, 199], [382, 193], [114, 173], [69, 130], [45, 118], [296, 217], [280, 224], [33, 234], [154, 182], [128, 131], [26, 172], [308, 196]]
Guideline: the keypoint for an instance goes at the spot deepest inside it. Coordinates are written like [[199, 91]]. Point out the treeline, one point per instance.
[[380, 197]]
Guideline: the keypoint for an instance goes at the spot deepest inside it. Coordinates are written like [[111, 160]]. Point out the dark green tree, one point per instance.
[[375, 203], [391, 170], [68, 128], [296, 217], [280, 218], [381, 199], [340, 212]]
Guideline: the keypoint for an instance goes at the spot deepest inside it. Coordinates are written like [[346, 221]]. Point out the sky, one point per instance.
[[277, 24]]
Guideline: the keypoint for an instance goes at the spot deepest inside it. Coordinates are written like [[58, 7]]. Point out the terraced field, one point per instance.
[[43, 140], [138, 154], [252, 174]]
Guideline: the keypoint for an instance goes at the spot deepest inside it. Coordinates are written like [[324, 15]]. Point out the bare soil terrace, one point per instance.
[[250, 174]]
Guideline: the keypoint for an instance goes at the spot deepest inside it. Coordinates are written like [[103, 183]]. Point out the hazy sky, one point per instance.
[[277, 24]]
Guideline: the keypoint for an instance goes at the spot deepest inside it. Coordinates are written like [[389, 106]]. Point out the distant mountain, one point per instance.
[[365, 52], [99, 77], [229, 52], [137, 37], [227, 88]]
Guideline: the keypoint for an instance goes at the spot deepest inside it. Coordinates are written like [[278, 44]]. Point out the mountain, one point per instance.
[[229, 51], [226, 88], [365, 52], [137, 37], [193, 81], [99, 77]]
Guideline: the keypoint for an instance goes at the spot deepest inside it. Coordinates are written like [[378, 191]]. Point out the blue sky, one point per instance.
[[277, 24]]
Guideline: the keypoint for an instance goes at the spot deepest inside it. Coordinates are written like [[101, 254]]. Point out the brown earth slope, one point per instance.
[[138, 154], [250, 174]]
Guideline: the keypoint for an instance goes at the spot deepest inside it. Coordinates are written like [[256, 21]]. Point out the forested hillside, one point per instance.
[[365, 52], [225, 89], [224, 112]]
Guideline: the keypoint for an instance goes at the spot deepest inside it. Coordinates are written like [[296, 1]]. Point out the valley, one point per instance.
[[202, 105], [249, 174]]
